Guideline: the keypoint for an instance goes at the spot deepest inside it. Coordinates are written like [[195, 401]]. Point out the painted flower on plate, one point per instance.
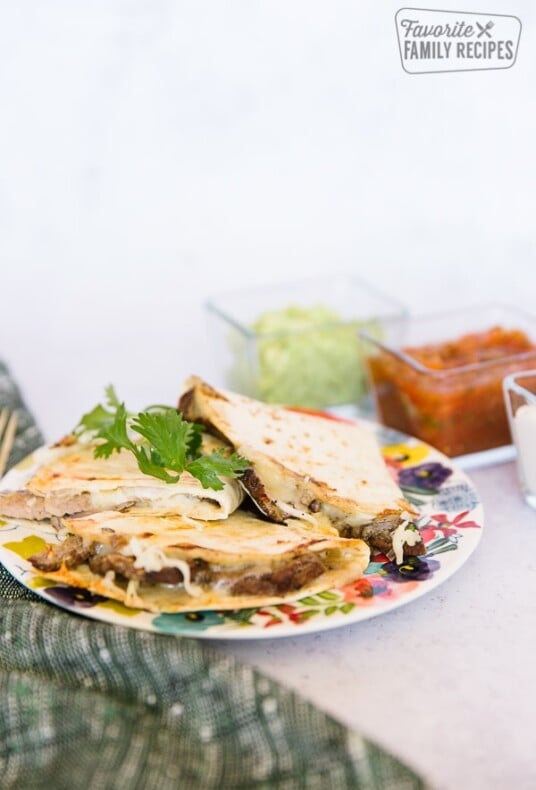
[[424, 477], [186, 622], [412, 569], [405, 454], [456, 498], [74, 596], [447, 527]]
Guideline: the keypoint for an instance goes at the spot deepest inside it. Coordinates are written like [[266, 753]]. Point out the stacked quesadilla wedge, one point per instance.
[[67, 479], [173, 564], [308, 467]]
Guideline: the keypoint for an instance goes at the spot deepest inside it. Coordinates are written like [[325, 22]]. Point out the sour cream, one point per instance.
[[525, 439], [406, 534]]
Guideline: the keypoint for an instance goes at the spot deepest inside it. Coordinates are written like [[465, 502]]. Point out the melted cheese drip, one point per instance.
[[292, 511], [151, 558], [131, 591], [402, 536], [193, 523], [109, 579], [352, 520]]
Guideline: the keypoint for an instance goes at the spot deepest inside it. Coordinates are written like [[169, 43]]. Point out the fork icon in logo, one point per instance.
[[484, 29]]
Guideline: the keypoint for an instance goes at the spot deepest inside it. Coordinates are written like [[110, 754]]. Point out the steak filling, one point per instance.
[[287, 575]]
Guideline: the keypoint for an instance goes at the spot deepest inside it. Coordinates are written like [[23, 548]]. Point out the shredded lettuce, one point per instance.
[[307, 356]]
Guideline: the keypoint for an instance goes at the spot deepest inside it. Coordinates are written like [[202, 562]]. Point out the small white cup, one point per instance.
[[520, 399]]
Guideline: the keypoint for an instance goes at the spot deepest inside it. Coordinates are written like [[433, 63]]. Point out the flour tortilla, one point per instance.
[[300, 462], [68, 479], [242, 545]]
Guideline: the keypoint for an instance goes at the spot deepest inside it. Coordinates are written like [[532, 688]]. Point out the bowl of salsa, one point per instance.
[[440, 378]]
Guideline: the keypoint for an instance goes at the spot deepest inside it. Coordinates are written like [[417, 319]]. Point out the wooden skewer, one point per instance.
[[8, 438]]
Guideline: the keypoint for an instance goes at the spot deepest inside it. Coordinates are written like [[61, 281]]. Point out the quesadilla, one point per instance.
[[172, 564], [68, 479], [308, 467]]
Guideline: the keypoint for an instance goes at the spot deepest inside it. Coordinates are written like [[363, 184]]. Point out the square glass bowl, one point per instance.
[[520, 400], [440, 378], [298, 343]]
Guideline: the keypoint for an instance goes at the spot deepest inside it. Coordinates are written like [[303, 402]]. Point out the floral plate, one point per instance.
[[450, 524]]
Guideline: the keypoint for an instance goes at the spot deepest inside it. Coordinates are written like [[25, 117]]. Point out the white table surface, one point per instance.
[[446, 682]]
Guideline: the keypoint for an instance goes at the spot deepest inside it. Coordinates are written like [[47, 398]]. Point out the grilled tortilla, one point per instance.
[[309, 467], [67, 479], [171, 564]]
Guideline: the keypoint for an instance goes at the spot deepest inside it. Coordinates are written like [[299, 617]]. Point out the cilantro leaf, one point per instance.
[[170, 435], [166, 444], [149, 464], [115, 435], [94, 420], [100, 417], [209, 468], [111, 398]]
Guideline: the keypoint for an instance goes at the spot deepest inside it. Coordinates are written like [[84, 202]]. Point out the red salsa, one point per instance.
[[450, 394]]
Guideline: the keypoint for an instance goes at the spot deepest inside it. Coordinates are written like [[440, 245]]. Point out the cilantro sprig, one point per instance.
[[164, 444]]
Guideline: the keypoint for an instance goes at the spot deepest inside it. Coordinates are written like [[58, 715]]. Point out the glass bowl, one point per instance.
[[520, 400], [297, 343], [440, 378]]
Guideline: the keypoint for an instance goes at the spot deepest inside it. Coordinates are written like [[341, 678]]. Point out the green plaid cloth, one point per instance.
[[97, 706]]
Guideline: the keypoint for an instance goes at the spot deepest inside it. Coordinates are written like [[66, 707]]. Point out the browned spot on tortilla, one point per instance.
[[66, 441], [321, 485], [186, 403], [187, 399]]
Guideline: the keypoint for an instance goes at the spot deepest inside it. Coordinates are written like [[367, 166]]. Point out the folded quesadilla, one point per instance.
[[173, 564], [68, 479], [308, 467]]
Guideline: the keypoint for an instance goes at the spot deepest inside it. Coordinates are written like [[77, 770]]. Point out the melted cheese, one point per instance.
[[337, 463], [242, 535], [151, 558], [110, 482], [292, 511], [404, 534], [131, 593], [358, 519]]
